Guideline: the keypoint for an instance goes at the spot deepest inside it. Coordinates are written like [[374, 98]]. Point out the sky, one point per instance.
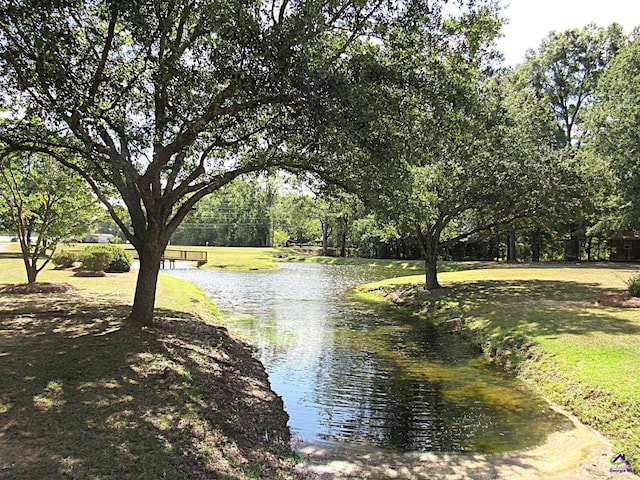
[[531, 20]]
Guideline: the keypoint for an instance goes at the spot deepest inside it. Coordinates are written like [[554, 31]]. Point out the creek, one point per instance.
[[354, 373]]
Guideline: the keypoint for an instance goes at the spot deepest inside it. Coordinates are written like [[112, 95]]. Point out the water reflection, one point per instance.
[[368, 374]]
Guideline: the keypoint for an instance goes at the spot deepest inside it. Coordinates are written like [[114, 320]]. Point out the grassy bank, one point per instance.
[[83, 396], [544, 323]]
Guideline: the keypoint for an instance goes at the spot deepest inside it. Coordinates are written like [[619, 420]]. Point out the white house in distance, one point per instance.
[[98, 238]]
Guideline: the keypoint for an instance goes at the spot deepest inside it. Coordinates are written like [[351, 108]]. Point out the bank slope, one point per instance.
[[83, 396], [545, 323]]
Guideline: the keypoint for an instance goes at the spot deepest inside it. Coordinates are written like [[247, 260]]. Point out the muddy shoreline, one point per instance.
[[577, 453]]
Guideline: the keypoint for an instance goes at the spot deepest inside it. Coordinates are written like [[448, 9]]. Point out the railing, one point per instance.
[[183, 255]]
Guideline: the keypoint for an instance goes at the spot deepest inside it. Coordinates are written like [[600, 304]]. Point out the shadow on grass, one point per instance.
[[531, 307], [84, 396], [10, 255]]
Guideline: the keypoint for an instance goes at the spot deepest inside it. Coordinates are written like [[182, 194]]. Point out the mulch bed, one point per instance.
[[37, 287], [617, 299]]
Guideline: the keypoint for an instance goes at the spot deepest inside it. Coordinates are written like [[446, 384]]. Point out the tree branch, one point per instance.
[[97, 78]]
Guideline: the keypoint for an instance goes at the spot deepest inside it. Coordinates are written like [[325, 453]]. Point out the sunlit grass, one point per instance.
[[172, 293], [603, 275], [242, 258]]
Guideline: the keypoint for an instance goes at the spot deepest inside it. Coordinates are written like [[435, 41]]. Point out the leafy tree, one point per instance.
[[295, 214], [235, 215], [559, 80], [565, 71], [615, 146], [43, 203], [346, 210], [463, 174], [165, 102]]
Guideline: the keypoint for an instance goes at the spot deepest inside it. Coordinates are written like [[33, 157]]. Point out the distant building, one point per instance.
[[625, 247], [98, 238]]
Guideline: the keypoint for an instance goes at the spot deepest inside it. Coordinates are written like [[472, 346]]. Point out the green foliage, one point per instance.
[[615, 121], [167, 102], [45, 203], [235, 215], [565, 71], [120, 259], [64, 259], [633, 286], [280, 238], [96, 260]]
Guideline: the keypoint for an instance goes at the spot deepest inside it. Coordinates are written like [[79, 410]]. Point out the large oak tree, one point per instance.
[[164, 101]]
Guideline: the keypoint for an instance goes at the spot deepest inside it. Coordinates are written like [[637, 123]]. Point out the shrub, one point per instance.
[[634, 286], [280, 238], [96, 260], [64, 259], [120, 259]]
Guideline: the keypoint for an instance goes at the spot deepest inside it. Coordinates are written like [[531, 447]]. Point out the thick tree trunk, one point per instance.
[[145, 296], [431, 271], [512, 253], [429, 244]]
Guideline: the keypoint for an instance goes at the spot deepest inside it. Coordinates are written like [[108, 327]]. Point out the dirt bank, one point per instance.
[[84, 397]]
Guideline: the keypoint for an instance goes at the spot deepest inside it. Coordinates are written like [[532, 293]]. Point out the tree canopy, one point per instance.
[[614, 125], [43, 203], [165, 102]]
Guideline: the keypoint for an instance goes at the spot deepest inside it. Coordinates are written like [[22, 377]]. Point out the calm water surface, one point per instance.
[[351, 372]]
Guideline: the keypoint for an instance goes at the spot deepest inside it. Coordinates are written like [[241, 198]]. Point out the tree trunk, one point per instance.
[[536, 246], [343, 239], [429, 245], [431, 271], [325, 234], [29, 263], [145, 296], [32, 272], [512, 253]]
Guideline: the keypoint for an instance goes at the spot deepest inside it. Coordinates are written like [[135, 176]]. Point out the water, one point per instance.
[[355, 373]]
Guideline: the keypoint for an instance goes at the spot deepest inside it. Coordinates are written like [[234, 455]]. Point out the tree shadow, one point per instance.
[[333, 462], [541, 307], [83, 395]]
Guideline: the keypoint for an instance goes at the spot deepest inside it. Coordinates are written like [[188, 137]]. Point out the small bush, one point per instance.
[[121, 260], [96, 261], [633, 285], [64, 259]]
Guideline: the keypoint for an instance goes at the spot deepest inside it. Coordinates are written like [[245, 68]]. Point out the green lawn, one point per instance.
[[172, 293], [240, 258], [543, 322]]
